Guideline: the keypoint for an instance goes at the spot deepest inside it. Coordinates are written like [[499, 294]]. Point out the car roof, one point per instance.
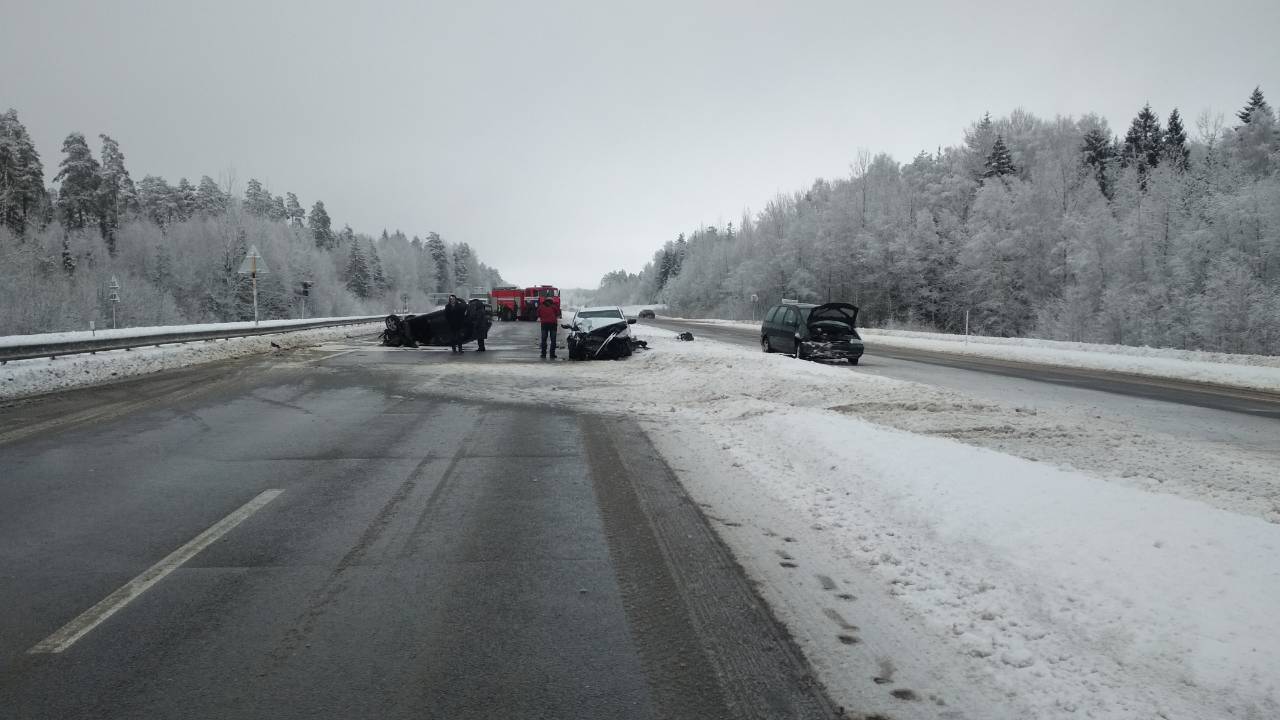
[[798, 304]]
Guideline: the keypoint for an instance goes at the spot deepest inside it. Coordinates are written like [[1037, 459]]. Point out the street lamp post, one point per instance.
[[253, 266], [114, 297]]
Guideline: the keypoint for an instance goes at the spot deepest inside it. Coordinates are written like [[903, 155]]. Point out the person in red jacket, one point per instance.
[[548, 317]]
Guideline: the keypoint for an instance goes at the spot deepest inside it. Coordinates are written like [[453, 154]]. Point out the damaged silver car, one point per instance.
[[812, 332], [599, 333]]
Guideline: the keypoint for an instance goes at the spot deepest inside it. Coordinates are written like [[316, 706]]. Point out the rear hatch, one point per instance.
[[833, 322]]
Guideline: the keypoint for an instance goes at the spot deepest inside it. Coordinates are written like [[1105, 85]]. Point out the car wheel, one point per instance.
[[765, 345], [853, 361]]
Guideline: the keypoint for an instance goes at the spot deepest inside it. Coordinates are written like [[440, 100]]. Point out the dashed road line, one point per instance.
[[68, 634]]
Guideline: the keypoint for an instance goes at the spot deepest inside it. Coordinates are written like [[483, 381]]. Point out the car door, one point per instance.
[[786, 334]]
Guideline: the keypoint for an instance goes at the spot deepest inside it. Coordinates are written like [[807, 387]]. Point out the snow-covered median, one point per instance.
[[926, 577], [21, 378], [1257, 372]]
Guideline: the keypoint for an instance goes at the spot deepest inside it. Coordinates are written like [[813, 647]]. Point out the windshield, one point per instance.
[[611, 314]]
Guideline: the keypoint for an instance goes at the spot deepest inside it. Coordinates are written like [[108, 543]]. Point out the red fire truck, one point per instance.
[[513, 303], [534, 295], [507, 301]]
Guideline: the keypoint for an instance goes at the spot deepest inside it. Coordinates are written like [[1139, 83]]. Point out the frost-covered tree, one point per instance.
[[440, 258], [321, 227], [462, 264], [79, 178], [1099, 156], [1256, 102], [1175, 142], [293, 210], [22, 192], [357, 273], [116, 193], [1144, 142], [210, 199], [999, 162]]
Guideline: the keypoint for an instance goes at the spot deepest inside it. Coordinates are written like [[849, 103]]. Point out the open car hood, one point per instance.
[[838, 312], [601, 326]]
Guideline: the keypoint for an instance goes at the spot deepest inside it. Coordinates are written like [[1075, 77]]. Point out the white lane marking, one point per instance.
[[68, 634]]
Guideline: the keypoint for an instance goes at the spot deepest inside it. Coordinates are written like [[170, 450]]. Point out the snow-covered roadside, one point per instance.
[[22, 378], [926, 577], [147, 331], [1258, 372]]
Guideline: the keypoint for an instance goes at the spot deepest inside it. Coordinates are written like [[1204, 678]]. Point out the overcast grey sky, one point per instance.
[[566, 139]]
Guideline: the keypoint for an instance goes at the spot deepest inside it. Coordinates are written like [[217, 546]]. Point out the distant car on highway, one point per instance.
[[647, 314], [812, 332]]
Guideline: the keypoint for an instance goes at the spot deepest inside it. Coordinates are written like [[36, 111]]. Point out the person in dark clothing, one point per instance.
[[478, 320], [455, 314], [548, 317]]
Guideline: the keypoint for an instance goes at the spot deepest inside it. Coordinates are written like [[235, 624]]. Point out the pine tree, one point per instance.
[[184, 198], [1175, 142], [277, 210], [321, 227], [22, 193], [78, 194], [357, 271], [1144, 142], [293, 210], [462, 264], [1099, 154], [210, 199], [999, 162], [1256, 100], [157, 200], [256, 200], [115, 191], [377, 279], [979, 142], [440, 256]]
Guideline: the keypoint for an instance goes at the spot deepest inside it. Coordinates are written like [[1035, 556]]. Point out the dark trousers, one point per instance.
[[549, 332], [455, 338]]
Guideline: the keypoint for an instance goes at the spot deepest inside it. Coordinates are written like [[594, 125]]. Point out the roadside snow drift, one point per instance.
[[21, 378], [1256, 372]]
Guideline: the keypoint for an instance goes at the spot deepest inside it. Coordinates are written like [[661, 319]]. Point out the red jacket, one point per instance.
[[548, 313]]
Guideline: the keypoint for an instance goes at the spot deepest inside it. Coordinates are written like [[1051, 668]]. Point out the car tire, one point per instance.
[[853, 361], [765, 345]]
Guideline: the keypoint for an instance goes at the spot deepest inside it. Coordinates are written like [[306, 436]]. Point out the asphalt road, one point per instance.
[[303, 536]]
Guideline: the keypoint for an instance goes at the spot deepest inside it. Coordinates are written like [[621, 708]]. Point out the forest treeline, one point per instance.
[[175, 250], [1053, 228]]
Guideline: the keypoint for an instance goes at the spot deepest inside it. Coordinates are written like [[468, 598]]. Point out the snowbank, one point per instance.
[[926, 577], [1256, 372], [22, 378], [140, 332]]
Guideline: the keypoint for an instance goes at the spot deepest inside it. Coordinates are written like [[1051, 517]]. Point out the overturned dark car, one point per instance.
[[600, 333], [812, 332], [425, 329]]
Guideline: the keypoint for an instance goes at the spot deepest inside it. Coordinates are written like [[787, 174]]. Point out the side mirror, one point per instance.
[[567, 327], [631, 321]]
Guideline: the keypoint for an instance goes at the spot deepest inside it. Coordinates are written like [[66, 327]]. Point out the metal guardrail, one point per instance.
[[52, 350]]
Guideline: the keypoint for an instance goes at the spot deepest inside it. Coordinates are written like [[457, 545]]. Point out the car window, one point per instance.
[[600, 314], [790, 318], [773, 314]]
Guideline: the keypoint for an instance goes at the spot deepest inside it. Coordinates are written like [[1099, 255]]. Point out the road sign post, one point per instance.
[[253, 266], [114, 297]]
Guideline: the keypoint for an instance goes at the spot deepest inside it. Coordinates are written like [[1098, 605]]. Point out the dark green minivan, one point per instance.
[[812, 332]]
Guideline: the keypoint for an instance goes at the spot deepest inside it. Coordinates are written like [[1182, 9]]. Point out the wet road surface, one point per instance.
[[303, 536]]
